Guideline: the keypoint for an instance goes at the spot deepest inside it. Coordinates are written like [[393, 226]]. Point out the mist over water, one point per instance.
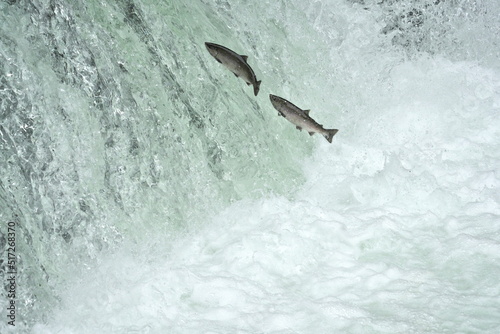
[[154, 193]]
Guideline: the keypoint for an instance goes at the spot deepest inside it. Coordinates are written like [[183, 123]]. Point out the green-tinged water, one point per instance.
[[116, 122], [121, 134]]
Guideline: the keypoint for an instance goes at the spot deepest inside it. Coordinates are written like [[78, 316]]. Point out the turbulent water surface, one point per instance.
[[154, 193]]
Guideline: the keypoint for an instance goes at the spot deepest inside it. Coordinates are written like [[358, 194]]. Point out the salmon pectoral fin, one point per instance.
[[298, 128]]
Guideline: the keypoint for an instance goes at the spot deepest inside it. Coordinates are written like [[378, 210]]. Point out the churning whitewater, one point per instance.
[[152, 191]]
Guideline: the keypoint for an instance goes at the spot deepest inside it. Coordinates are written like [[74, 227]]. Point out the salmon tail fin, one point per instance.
[[329, 134], [256, 88]]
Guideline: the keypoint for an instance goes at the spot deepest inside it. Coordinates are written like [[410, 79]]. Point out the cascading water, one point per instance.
[[152, 192]]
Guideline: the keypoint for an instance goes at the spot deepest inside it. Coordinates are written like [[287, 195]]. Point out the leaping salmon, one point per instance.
[[300, 118], [235, 63]]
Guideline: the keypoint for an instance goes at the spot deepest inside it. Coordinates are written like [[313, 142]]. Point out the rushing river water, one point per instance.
[[152, 192]]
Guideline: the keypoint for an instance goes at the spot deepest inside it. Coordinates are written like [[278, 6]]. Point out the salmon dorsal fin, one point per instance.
[[307, 112], [244, 58]]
